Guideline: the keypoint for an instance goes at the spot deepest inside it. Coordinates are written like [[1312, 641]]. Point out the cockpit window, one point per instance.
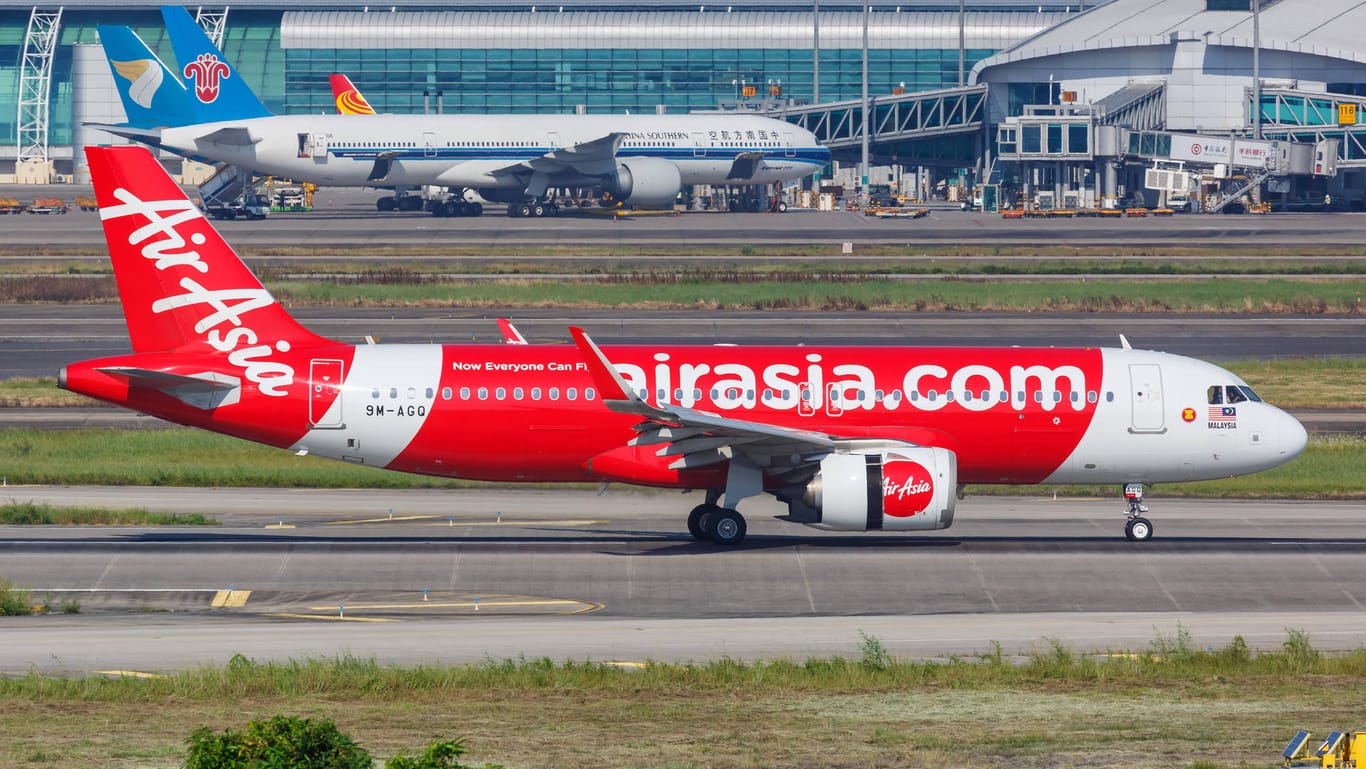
[[1220, 394]]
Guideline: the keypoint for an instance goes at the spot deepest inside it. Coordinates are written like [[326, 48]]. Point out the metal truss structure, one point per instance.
[[894, 119], [35, 83], [1306, 116], [213, 23]]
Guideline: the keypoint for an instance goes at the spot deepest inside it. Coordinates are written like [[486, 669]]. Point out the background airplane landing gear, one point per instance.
[[1138, 528]]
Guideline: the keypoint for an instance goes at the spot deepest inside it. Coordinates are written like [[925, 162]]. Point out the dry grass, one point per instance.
[[1047, 725]]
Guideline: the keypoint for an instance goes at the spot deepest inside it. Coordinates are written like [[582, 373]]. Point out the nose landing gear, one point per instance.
[[1138, 528]]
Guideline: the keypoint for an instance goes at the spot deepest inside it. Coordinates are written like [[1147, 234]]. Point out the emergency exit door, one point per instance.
[[1145, 385]]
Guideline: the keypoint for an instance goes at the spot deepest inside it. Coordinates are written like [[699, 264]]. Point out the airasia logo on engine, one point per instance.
[[907, 488]]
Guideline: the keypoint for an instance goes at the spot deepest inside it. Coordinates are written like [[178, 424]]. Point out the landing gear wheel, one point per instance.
[[695, 522], [476, 209], [523, 209], [386, 203], [538, 210], [1138, 530], [410, 203], [451, 208], [726, 527]]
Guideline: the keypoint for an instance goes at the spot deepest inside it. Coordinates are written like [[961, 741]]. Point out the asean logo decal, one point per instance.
[[907, 488], [207, 71], [1188, 414]]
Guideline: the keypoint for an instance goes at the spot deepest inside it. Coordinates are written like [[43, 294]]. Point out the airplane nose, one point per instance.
[[1293, 437]]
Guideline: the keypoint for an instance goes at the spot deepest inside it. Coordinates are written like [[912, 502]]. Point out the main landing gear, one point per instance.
[[1138, 528], [709, 522]]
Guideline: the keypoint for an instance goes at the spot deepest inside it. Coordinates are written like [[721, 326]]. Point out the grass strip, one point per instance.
[[797, 291], [35, 514], [1272, 296], [1331, 468], [1168, 705]]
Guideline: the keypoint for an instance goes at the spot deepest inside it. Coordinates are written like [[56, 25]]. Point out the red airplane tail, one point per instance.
[[180, 284], [348, 97]]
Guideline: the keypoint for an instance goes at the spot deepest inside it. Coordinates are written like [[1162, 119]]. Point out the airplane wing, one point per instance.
[[595, 157], [230, 135], [384, 161], [746, 163], [699, 438]]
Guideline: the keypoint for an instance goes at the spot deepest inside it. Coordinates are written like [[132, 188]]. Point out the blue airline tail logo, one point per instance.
[[152, 97], [220, 92]]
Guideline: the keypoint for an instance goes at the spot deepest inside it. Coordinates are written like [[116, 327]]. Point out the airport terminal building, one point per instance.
[[1074, 98]]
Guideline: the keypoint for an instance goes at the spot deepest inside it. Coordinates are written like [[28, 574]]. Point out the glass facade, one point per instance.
[[601, 80], [524, 70]]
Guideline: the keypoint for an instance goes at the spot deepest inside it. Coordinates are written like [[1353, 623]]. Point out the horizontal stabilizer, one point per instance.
[[236, 136], [144, 135], [204, 391]]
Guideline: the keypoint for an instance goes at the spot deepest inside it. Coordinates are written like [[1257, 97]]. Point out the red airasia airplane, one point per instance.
[[851, 438]]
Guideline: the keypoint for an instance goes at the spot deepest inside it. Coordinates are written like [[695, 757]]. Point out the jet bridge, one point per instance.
[[940, 124], [1312, 117]]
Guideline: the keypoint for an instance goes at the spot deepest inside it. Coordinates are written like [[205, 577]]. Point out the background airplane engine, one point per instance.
[[899, 489], [647, 182]]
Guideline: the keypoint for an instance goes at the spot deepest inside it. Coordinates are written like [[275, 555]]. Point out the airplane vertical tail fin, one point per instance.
[[180, 283], [216, 88], [152, 96], [348, 97]]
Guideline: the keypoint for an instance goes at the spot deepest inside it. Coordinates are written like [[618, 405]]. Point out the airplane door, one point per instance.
[[324, 390], [320, 146], [788, 149], [1145, 390], [834, 400], [699, 144], [429, 144], [805, 406], [553, 140]]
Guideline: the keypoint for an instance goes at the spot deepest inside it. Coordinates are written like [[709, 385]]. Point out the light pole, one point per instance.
[[863, 163], [815, 52], [1256, 69], [962, 44]]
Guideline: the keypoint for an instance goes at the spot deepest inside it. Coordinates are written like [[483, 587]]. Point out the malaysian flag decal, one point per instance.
[[1223, 414]]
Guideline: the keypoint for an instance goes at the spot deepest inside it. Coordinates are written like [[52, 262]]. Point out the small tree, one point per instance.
[[440, 755], [283, 742]]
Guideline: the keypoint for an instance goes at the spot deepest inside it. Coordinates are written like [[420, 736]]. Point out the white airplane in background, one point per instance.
[[643, 160]]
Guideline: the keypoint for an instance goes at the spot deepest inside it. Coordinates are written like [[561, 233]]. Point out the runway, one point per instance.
[[571, 574]]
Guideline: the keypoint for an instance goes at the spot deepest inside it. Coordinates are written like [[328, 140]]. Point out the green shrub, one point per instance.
[[283, 742], [441, 754], [14, 600]]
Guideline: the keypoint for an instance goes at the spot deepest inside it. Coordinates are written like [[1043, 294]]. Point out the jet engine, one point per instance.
[[646, 182], [898, 489]]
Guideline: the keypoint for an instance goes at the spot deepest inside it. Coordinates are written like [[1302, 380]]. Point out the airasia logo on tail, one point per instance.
[[223, 320], [207, 72], [907, 488]]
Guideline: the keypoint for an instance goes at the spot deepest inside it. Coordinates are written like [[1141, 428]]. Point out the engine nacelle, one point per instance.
[[900, 489], [507, 195], [647, 182]]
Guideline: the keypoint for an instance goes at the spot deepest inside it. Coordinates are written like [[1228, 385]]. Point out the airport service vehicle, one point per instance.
[[642, 160], [851, 438], [247, 207]]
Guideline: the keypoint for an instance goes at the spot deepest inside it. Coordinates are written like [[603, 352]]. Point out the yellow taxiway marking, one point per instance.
[[382, 520], [128, 673], [279, 525], [230, 599], [289, 615], [457, 604]]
